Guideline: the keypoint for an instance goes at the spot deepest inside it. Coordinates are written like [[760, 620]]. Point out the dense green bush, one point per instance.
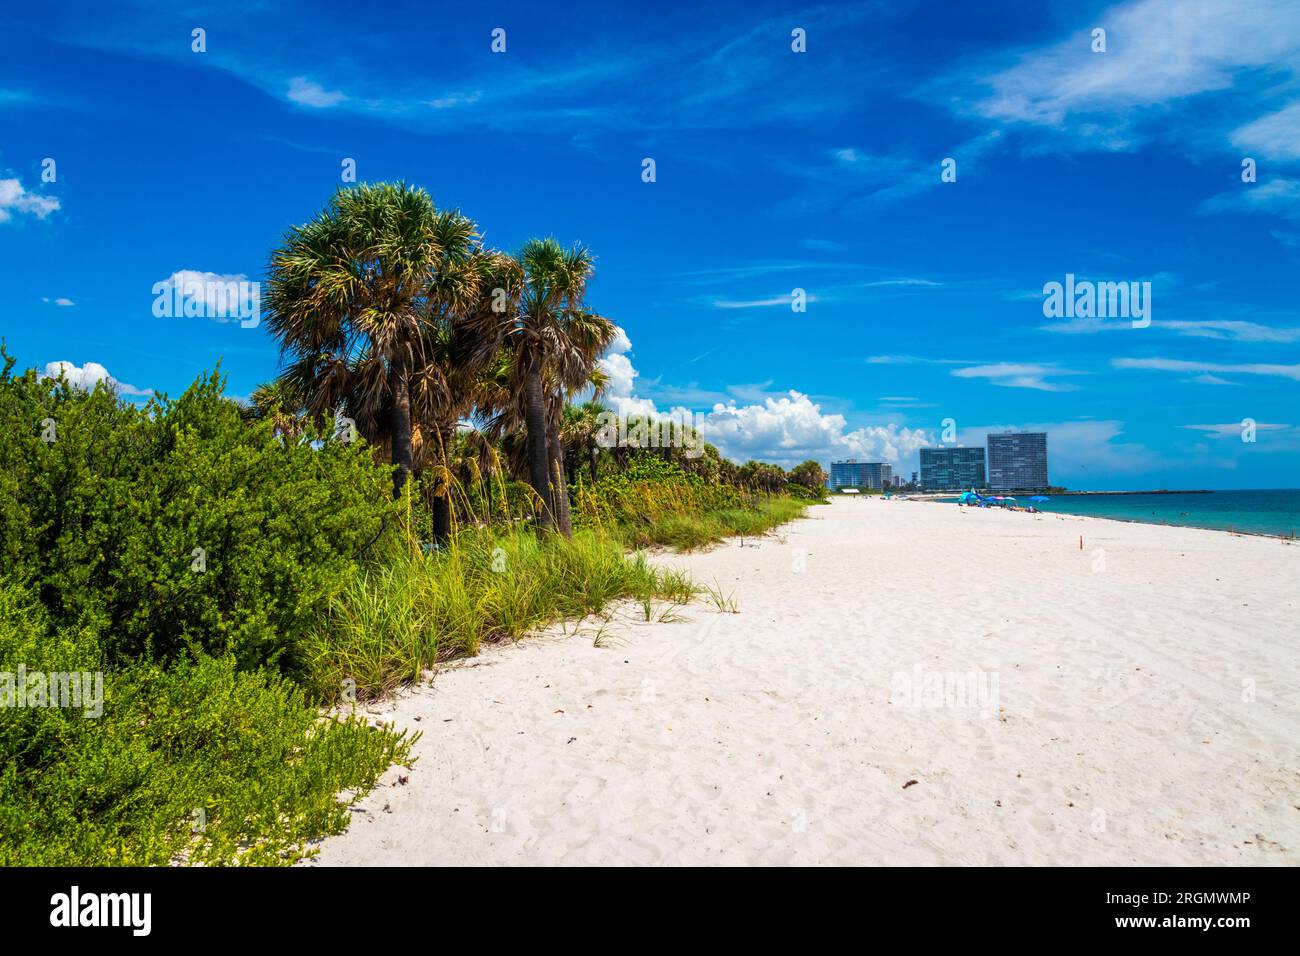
[[176, 526], [102, 505], [198, 759]]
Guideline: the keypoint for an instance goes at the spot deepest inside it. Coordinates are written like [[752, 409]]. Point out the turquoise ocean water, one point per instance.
[[1260, 512]]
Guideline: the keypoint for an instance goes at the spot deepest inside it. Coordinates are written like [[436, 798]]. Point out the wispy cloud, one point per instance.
[[1183, 365], [1275, 136], [1234, 330], [307, 92], [784, 300], [912, 360], [1196, 74], [1234, 429], [1012, 375], [1279, 197]]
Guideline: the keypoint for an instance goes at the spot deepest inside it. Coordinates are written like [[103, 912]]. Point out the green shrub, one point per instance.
[[177, 527], [201, 742]]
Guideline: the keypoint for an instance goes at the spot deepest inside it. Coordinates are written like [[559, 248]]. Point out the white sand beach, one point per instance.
[[1140, 705]]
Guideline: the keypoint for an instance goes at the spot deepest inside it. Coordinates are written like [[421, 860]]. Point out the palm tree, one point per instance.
[[275, 401], [354, 296], [444, 389], [580, 427], [554, 342]]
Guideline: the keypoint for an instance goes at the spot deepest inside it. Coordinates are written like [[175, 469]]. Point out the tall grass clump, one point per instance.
[[390, 623], [657, 502]]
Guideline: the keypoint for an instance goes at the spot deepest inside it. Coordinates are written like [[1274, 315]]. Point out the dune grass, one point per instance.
[[390, 623], [397, 617], [691, 531]]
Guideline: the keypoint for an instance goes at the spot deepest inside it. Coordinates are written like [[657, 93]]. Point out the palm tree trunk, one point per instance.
[[560, 486], [535, 426], [400, 424], [442, 502]]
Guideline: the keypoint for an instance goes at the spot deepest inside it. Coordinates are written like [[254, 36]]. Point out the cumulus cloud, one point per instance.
[[16, 199], [307, 92], [213, 295], [86, 376], [65, 303], [787, 428], [792, 428]]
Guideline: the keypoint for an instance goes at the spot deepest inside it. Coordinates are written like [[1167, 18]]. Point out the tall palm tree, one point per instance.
[[554, 342], [460, 347], [352, 296]]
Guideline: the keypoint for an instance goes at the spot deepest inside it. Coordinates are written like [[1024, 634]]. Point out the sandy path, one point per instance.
[[1147, 709]]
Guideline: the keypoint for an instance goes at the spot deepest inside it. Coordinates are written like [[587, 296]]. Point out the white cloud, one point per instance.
[[1236, 330], [787, 428], [452, 100], [784, 300], [1233, 429], [1279, 197], [792, 428], [86, 376], [1275, 136], [15, 199], [66, 303], [1233, 329], [1158, 51], [1010, 375], [1182, 365], [307, 92], [223, 298]]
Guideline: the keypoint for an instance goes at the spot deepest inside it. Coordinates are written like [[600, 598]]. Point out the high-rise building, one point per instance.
[[1018, 461], [952, 469], [860, 474]]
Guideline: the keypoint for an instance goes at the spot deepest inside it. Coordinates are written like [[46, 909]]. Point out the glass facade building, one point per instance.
[[860, 474], [952, 469], [1018, 461]]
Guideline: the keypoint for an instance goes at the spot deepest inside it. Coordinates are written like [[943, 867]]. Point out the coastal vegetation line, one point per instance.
[[425, 475]]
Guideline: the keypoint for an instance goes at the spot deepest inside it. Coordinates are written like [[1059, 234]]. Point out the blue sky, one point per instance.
[[775, 171]]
